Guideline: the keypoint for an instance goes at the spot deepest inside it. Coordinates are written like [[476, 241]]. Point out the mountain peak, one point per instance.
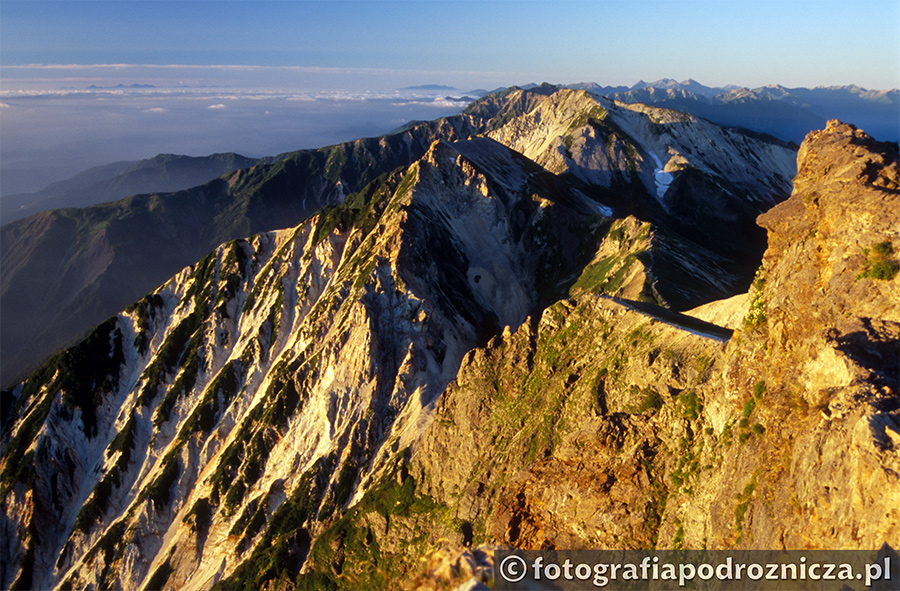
[[843, 153]]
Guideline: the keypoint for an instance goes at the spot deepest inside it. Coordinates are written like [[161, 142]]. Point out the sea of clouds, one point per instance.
[[54, 128]]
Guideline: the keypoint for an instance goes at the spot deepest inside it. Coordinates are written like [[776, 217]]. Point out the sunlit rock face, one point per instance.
[[629, 430]]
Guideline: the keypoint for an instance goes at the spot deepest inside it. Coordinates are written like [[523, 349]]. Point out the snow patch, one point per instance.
[[601, 209], [663, 179]]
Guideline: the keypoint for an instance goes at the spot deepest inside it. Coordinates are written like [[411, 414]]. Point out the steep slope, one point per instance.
[[701, 184], [602, 143], [64, 271], [162, 173], [595, 425], [252, 391]]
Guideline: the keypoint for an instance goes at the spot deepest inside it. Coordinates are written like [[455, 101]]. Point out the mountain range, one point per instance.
[[102, 184], [786, 113], [65, 270], [551, 321]]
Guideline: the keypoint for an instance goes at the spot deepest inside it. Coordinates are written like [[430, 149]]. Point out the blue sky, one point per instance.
[[751, 43]]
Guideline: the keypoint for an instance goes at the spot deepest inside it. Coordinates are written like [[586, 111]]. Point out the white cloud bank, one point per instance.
[[76, 129]]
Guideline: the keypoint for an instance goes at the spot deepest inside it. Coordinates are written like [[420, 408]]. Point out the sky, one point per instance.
[[265, 77]]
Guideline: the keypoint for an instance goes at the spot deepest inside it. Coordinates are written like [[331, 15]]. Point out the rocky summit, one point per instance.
[[552, 328]]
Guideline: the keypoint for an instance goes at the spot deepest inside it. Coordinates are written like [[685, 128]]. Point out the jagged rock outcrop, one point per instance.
[[831, 301], [827, 245]]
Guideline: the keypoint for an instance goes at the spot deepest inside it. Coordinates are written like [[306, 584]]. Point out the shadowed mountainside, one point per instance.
[[162, 173]]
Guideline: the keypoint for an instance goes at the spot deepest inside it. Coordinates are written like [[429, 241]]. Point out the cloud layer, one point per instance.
[[51, 134]]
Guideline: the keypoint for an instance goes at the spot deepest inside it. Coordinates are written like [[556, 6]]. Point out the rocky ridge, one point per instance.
[[64, 271], [595, 426], [787, 113], [273, 370], [265, 417]]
